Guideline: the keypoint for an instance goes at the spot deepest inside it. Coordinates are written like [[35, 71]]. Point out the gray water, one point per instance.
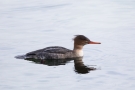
[[27, 25]]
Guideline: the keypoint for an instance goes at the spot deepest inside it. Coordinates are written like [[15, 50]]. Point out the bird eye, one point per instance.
[[86, 41]]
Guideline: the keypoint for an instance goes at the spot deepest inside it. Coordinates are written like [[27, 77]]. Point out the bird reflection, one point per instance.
[[79, 66], [50, 62]]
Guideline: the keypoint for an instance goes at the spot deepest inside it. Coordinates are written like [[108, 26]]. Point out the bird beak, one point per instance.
[[91, 42]]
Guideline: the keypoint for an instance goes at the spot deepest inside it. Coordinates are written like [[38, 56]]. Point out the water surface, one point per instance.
[[30, 25]]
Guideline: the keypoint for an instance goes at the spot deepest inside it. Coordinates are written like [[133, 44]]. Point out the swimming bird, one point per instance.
[[58, 52]]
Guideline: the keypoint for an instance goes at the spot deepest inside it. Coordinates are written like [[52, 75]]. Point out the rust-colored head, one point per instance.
[[82, 40]]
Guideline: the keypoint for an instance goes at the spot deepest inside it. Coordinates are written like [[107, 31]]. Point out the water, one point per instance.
[[30, 25]]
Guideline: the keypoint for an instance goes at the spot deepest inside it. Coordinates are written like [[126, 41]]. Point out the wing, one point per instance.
[[54, 49]]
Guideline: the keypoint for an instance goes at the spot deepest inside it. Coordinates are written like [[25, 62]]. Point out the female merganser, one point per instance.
[[57, 52]]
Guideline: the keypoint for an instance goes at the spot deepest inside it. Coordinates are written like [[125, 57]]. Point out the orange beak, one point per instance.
[[91, 42]]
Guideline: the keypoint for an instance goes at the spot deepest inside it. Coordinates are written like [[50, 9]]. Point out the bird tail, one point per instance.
[[20, 56]]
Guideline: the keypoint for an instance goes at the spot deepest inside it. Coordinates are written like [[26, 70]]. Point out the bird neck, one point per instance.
[[78, 49]]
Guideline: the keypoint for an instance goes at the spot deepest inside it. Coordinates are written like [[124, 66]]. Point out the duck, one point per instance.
[[58, 52]]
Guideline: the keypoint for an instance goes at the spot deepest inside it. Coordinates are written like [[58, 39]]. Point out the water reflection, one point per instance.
[[79, 66], [50, 62]]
